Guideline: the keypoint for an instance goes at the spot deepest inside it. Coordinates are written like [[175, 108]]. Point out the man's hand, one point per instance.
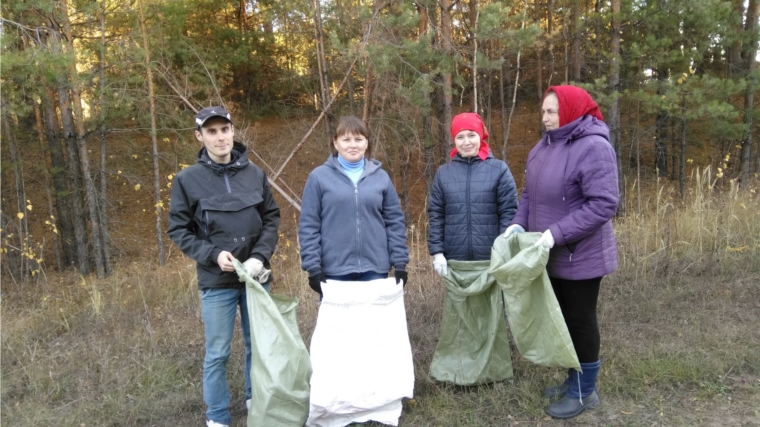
[[256, 270], [224, 260]]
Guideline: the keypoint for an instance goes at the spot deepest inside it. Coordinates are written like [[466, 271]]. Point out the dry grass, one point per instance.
[[680, 334]]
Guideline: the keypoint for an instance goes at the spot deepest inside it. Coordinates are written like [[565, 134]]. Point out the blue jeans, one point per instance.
[[218, 307], [359, 277]]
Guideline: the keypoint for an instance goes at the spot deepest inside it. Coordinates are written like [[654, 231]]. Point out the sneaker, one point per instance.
[[248, 404], [210, 423]]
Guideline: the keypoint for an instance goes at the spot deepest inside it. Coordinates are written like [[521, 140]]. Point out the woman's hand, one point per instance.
[[514, 228], [439, 264], [547, 240]]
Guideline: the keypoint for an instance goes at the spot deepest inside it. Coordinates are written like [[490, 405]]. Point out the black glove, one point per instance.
[[315, 282], [401, 275]]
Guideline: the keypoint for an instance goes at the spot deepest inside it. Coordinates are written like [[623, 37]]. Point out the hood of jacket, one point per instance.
[[578, 128], [238, 156]]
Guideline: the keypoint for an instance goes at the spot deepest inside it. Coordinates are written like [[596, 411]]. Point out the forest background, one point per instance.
[[100, 313]]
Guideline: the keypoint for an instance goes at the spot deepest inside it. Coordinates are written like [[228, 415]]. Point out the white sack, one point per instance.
[[360, 354]]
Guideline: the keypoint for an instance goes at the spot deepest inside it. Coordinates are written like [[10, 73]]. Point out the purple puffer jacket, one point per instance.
[[571, 188]]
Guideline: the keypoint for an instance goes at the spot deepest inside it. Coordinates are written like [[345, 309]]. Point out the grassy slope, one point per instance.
[[680, 335]]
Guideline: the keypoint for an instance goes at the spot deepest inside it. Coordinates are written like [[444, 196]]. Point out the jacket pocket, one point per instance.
[[231, 221]]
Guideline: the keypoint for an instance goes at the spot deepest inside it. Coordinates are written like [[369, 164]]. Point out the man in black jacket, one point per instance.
[[222, 209]]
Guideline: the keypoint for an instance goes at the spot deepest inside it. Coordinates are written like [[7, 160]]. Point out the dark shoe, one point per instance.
[[569, 407]]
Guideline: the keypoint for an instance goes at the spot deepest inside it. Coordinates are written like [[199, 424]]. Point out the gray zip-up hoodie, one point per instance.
[[351, 228]]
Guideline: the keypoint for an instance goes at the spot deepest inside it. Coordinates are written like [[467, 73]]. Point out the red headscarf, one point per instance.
[[574, 102], [473, 122]]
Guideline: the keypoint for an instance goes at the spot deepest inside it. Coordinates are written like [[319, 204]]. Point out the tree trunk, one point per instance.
[[474, 15], [661, 138], [73, 166], [24, 265], [91, 193], [682, 160], [153, 138], [514, 93], [46, 177], [674, 143], [324, 83], [550, 37], [750, 55], [503, 110], [575, 13], [103, 205], [614, 115], [446, 41], [427, 123], [734, 57], [64, 222], [75, 177]]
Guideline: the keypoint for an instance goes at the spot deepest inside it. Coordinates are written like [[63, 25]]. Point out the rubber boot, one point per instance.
[[557, 391], [580, 396]]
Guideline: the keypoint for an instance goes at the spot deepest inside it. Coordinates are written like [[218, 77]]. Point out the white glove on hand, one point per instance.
[[439, 264], [546, 239], [514, 228], [256, 270]]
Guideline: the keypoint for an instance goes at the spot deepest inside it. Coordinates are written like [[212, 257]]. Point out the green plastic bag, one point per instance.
[[536, 321], [280, 365], [473, 347]]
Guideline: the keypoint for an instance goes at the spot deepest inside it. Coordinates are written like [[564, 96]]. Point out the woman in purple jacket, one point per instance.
[[571, 195]]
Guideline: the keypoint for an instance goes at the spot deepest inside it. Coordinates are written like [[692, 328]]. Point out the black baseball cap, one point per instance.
[[210, 112]]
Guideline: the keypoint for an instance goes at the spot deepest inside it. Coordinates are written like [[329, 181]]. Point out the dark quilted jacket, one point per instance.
[[471, 202]]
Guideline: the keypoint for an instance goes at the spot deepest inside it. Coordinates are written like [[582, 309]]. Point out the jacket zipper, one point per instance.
[[358, 224], [469, 217]]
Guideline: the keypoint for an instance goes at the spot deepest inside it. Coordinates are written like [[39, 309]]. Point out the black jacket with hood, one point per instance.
[[217, 208]]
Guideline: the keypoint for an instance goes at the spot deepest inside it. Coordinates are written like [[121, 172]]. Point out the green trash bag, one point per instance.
[[473, 347], [280, 365], [536, 321]]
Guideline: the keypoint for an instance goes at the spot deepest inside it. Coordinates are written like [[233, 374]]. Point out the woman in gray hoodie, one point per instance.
[[351, 225]]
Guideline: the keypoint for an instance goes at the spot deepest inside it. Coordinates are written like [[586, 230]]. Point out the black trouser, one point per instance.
[[577, 299]]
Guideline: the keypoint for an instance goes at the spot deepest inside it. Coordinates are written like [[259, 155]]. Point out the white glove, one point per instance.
[[514, 228], [547, 240], [439, 264], [256, 270]]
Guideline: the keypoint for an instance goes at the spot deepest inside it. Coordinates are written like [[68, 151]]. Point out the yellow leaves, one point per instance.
[[170, 176], [166, 140], [20, 215], [183, 165], [28, 207], [743, 205], [134, 156], [137, 187], [738, 249], [689, 161], [159, 205], [118, 172]]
